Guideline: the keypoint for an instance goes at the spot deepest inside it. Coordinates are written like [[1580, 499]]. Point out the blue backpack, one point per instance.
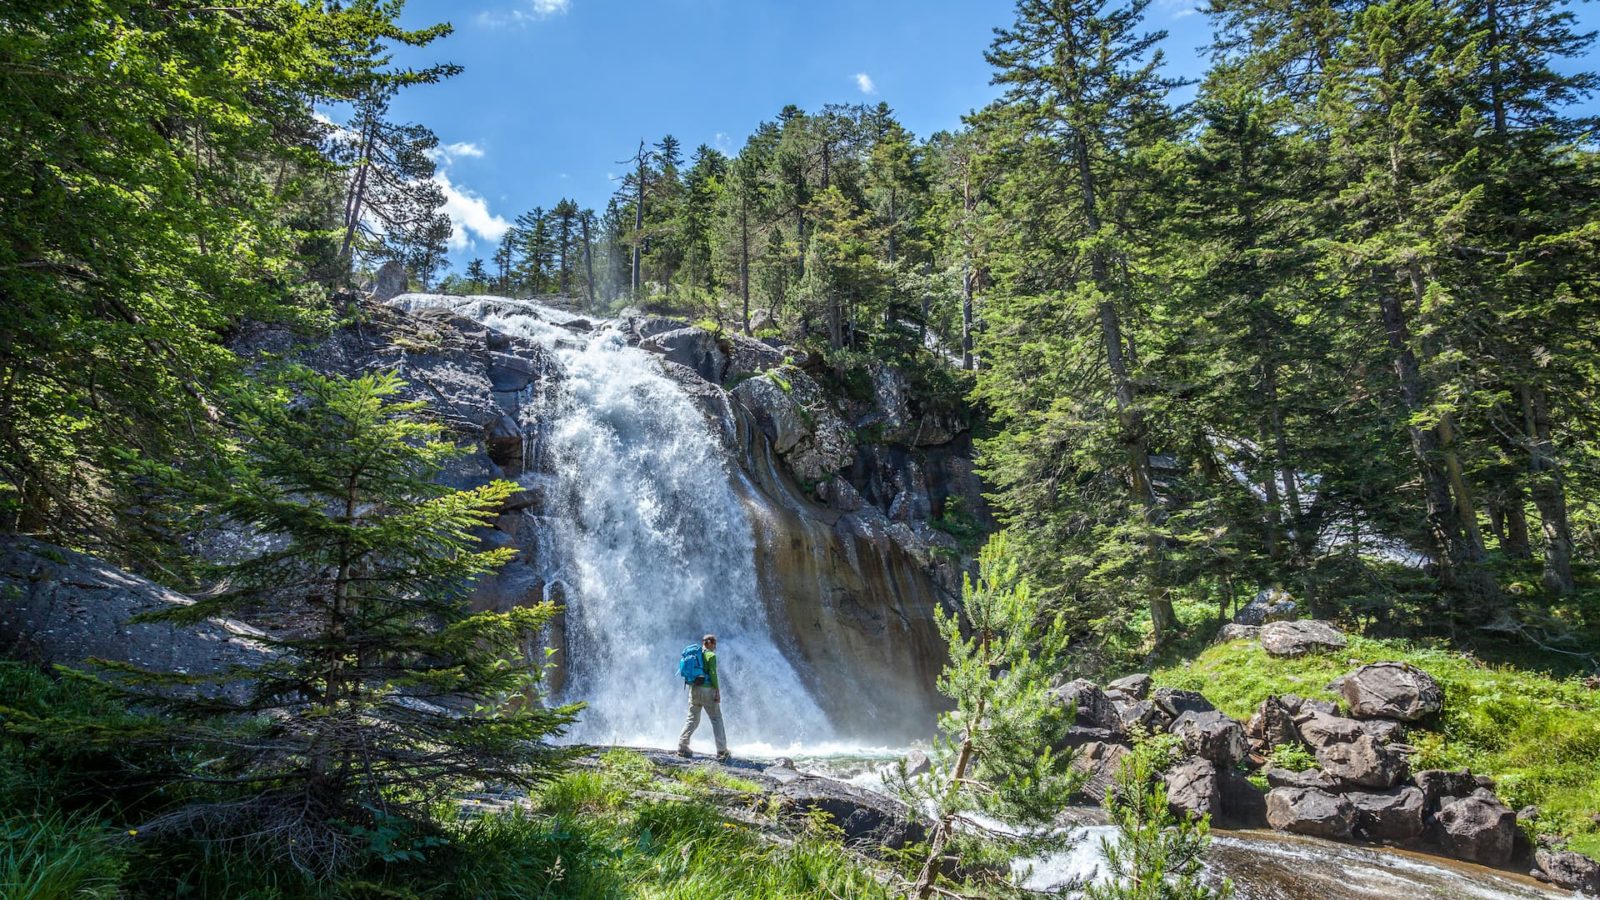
[[692, 665]]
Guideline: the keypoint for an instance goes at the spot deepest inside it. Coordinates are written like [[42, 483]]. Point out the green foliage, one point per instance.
[[959, 522], [388, 692], [1537, 736], [168, 179], [1292, 757], [996, 753], [1154, 856], [585, 835]]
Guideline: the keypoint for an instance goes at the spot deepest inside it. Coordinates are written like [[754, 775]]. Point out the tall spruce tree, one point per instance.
[[1084, 97]]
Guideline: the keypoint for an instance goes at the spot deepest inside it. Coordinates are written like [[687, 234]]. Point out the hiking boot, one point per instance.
[[684, 752], [724, 757]]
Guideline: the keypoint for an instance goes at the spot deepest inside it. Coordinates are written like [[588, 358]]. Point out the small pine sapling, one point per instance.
[[997, 755], [1155, 855]]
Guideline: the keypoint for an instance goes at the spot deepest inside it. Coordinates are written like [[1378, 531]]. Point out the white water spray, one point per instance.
[[651, 543]]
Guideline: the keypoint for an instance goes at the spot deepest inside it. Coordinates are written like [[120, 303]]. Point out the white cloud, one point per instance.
[[445, 154], [339, 132], [532, 10], [470, 218], [1178, 9], [462, 148], [864, 82]]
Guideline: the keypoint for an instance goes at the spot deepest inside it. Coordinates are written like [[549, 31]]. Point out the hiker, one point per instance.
[[698, 668]]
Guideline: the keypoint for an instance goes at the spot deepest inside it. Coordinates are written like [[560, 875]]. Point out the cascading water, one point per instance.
[[650, 543]]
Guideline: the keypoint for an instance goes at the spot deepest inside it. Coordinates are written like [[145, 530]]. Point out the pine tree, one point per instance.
[[505, 257], [1154, 856], [167, 177], [392, 198], [477, 276], [997, 754], [386, 692]]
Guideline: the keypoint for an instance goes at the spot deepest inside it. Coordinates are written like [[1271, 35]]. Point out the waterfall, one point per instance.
[[649, 543]]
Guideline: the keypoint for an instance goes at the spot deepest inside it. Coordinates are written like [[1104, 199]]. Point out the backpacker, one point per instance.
[[692, 665]]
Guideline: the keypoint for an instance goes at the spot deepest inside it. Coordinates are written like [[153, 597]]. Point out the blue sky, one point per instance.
[[555, 92]]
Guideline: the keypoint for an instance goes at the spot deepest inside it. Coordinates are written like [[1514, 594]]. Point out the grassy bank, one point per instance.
[[618, 829], [1537, 736]]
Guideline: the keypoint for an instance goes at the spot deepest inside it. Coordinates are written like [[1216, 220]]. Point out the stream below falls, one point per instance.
[[1262, 864]]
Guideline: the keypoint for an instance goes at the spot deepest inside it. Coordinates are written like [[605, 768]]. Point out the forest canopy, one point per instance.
[[1324, 320]]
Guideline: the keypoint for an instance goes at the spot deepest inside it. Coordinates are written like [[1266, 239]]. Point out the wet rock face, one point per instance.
[[1311, 811], [1478, 829], [1567, 869], [1393, 815], [792, 412], [58, 606], [1391, 690], [1299, 638]]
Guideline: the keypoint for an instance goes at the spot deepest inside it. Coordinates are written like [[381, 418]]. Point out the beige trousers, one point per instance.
[[702, 696]]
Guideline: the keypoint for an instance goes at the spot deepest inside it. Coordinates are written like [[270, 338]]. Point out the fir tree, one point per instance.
[[1084, 96], [386, 692]]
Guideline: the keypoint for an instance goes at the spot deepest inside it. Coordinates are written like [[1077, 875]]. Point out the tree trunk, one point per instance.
[[744, 261], [635, 281], [352, 210], [1450, 545], [1130, 419], [1510, 523], [967, 205], [1274, 504], [1496, 90], [588, 261], [1549, 493], [932, 868]]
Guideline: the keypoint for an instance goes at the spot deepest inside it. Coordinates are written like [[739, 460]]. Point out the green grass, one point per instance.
[[623, 829], [1537, 736], [50, 855]]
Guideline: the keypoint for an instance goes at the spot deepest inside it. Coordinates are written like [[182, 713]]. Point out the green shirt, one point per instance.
[[711, 667]]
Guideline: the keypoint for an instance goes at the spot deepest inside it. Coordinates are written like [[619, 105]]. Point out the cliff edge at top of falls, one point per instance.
[[856, 485]]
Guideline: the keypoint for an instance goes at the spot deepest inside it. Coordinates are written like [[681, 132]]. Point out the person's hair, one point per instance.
[[708, 639]]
